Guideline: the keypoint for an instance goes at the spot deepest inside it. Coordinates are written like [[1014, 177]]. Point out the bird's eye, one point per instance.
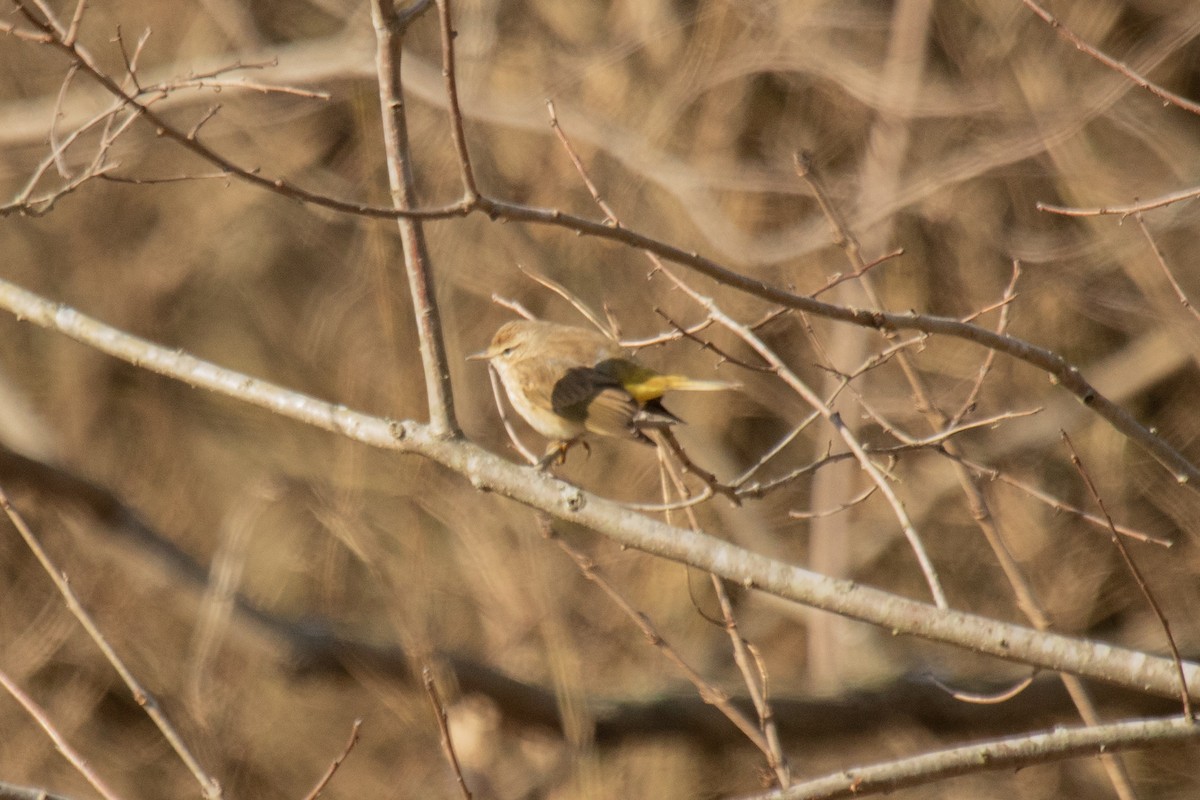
[[507, 351]]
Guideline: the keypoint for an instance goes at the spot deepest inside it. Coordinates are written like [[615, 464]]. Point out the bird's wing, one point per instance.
[[595, 399], [612, 412]]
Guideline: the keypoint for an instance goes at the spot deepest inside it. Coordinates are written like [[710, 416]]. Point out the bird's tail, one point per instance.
[[681, 383], [646, 384], [656, 386]]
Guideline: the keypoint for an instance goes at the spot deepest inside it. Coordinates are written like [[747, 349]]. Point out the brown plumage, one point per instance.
[[567, 381]]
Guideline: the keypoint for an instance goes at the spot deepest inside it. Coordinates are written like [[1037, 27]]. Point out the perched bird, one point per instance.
[[567, 381]]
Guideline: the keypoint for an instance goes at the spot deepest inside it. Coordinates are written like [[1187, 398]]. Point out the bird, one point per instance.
[[568, 382]]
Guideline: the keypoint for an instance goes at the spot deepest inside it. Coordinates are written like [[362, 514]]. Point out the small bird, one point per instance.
[[567, 381]]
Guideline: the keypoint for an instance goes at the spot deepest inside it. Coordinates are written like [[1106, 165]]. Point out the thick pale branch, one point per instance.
[[1009, 753], [1136, 670], [10, 791]]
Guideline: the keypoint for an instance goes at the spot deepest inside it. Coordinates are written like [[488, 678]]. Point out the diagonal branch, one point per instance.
[[60, 743], [1012, 752], [1062, 30], [48, 33], [209, 786], [1061, 371], [1130, 668]]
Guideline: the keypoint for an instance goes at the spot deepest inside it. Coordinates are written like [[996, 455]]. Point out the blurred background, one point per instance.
[[271, 584]]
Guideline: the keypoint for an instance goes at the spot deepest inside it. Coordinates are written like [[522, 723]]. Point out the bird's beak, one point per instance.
[[482, 355]]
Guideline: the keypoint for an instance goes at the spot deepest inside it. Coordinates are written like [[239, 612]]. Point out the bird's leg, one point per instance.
[[556, 453]]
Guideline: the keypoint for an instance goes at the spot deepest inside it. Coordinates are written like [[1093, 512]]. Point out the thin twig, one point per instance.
[[990, 699], [50, 17], [36, 37], [1062, 30], [336, 763], [673, 505], [829, 512], [11, 791], [1138, 578], [570, 297], [208, 785], [514, 306], [131, 60], [70, 753], [673, 335], [497, 393], [1122, 210], [1005, 304], [1162, 263], [775, 449], [711, 694], [839, 278], [448, 34], [76, 20], [240, 83], [753, 675], [56, 148], [1058, 505], [166, 179], [194, 131], [439, 714], [580, 170], [673, 446], [722, 357]]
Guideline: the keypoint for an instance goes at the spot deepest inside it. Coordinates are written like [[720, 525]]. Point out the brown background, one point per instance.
[[936, 129]]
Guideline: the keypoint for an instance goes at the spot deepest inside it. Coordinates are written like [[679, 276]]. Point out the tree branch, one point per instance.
[[389, 29], [1060, 370], [1008, 753], [488, 472]]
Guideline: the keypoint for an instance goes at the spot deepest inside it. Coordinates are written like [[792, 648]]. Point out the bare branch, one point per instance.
[[1122, 210], [417, 264], [1161, 260], [1063, 372], [1009, 753], [1057, 504], [208, 785], [711, 694], [1138, 578], [336, 763], [499, 395], [439, 712], [1110, 62], [446, 25], [1136, 670], [70, 753], [10, 791]]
